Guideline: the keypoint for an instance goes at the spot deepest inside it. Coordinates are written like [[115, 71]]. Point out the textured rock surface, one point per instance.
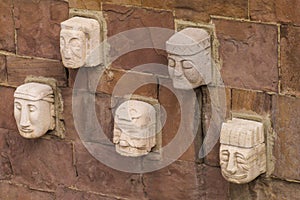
[[6, 108], [7, 28], [3, 72], [249, 55], [86, 4], [290, 59], [286, 114], [18, 68], [275, 11], [65, 193], [38, 34], [5, 165]]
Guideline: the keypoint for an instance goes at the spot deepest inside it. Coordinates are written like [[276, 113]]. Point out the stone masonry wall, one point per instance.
[[259, 51]]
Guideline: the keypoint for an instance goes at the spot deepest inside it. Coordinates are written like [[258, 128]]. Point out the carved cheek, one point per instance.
[[76, 46]]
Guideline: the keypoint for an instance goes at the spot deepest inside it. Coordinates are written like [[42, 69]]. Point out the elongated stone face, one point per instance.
[[80, 42], [189, 58], [34, 109], [242, 150], [134, 128]]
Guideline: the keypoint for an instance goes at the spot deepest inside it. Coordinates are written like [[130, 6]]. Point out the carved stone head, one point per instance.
[[134, 128], [242, 150], [34, 109], [189, 55], [79, 42]]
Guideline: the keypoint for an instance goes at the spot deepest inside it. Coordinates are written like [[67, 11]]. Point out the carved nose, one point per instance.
[[178, 69], [231, 167], [67, 53], [24, 121]]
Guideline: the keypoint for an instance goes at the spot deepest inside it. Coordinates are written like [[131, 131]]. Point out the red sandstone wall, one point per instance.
[[259, 49]]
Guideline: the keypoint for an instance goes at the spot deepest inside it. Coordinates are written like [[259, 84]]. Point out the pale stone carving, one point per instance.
[[134, 128], [79, 42], [242, 150], [34, 109], [190, 58]]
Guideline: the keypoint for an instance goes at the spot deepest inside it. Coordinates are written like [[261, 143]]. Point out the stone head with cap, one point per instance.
[[134, 128], [34, 109], [242, 150], [189, 58], [79, 42]]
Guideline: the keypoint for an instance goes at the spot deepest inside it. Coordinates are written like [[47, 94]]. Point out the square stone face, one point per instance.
[[73, 48]]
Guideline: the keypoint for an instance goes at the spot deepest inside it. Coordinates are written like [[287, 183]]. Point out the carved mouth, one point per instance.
[[25, 130]]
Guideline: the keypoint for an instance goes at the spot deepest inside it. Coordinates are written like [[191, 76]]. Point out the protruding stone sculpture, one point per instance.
[[134, 128], [79, 42], [34, 109], [242, 151], [190, 58]]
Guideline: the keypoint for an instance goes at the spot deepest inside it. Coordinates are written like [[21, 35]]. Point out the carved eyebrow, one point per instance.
[[240, 155], [225, 152]]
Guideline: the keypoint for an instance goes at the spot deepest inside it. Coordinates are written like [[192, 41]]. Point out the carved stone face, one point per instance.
[[134, 128], [184, 72], [73, 48], [241, 165], [189, 58], [242, 150], [34, 109]]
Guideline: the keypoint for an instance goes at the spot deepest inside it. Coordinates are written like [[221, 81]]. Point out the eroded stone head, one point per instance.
[[189, 55], [134, 128]]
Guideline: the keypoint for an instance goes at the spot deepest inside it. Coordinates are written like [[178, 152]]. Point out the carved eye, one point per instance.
[[171, 62], [32, 108], [224, 155], [240, 159], [187, 64], [18, 106]]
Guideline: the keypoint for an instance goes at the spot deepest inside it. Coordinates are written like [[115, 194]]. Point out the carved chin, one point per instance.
[[238, 178], [130, 151]]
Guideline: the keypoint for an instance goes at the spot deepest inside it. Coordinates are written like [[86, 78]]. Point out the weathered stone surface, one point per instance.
[[42, 163], [290, 59], [3, 73], [7, 119], [275, 11], [196, 10], [125, 2], [170, 103], [96, 177], [38, 34], [249, 54], [286, 114], [265, 189], [251, 101], [7, 28], [120, 18], [212, 157], [9, 191], [5, 165], [211, 183], [124, 83], [176, 181], [86, 4], [19, 68], [65, 193]]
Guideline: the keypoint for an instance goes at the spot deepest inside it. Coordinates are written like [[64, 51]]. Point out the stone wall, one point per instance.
[[259, 48]]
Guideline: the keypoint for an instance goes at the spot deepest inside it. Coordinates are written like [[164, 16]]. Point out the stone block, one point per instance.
[[87, 4], [7, 27], [38, 34], [286, 114], [96, 177], [3, 72], [250, 51], [224, 94], [7, 119], [124, 2], [251, 101], [66, 193], [5, 165], [282, 11], [121, 18], [9, 191], [42, 164], [123, 83], [19, 68], [290, 60]]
